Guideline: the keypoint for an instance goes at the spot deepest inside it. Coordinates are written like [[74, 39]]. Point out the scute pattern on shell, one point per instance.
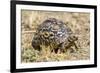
[[51, 32]]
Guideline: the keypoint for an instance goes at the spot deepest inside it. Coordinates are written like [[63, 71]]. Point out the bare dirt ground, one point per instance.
[[78, 22]]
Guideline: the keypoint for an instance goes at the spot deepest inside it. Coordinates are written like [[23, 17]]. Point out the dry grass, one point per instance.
[[78, 22]]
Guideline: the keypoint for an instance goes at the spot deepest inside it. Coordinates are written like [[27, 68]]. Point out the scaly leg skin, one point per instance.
[[72, 39], [62, 47], [75, 46], [72, 46], [78, 46]]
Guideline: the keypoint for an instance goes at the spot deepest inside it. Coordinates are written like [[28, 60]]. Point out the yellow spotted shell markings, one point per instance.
[[46, 34]]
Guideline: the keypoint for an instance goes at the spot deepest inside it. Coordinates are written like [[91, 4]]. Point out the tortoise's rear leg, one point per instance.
[[76, 47]]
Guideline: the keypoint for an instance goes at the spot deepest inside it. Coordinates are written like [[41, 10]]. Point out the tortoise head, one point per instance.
[[72, 38]]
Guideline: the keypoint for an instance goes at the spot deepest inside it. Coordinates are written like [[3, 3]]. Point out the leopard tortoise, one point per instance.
[[54, 33]]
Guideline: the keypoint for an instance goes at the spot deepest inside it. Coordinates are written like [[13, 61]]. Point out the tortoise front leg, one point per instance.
[[76, 47], [72, 45]]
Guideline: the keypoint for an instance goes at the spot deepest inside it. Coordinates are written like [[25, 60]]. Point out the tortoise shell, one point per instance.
[[52, 32]]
